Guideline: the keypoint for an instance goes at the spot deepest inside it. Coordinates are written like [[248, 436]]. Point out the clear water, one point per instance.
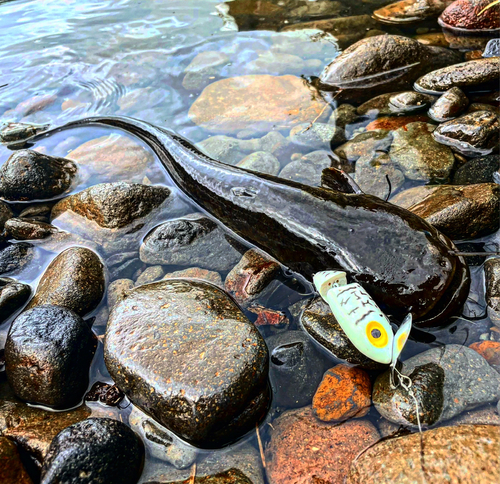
[[94, 57]]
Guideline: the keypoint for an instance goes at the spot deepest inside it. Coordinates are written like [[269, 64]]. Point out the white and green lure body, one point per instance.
[[361, 319]]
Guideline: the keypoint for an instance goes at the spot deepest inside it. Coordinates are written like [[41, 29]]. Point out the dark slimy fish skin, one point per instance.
[[401, 260]]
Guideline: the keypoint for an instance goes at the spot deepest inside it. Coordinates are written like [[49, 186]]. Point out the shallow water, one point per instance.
[[128, 57]]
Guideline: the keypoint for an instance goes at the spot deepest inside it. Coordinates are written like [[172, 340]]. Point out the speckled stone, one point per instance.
[[197, 273], [13, 295], [150, 274], [478, 170], [118, 290], [16, 257], [490, 351], [11, 467], [94, 450], [75, 279], [465, 454], [20, 229], [397, 103], [451, 104], [163, 349], [318, 320], [492, 279]]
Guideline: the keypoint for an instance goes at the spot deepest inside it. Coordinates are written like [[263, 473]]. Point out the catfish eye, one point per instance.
[[376, 333]]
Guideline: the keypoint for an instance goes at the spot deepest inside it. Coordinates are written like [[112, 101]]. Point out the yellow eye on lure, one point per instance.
[[361, 319]]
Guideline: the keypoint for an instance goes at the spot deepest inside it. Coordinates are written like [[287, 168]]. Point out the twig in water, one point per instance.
[[261, 449], [193, 474], [321, 112]]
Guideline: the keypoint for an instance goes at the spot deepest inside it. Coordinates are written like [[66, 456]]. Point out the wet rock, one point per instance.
[[462, 212], [150, 274], [33, 428], [105, 393], [74, 279], [391, 123], [318, 320], [13, 295], [232, 150], [419, 155], [317, 135], [372, 172], [33, 105], [96, 449], [295, 370], [471, 75], [277, 63], [436, 39], [47, 356], [482, 107], [13, 132], [408, 12], [478, 170], [362, 145], [253, 273], [119, 290], [492, 48], [5, 214], [161, 443], [451, 104], [479, 416], [303, 449], [114, 215], [467, 454], [113, 158], [492, 279], [471, 16], [203, 68], [21, 229], [375, 65], [11, 469], [191, 240], [205, 395], [308, 168], [445, 381], [490, 351], [396, 103], [268, 317], [412, 196], [342, 116], [39, 212], [256, 101], [262, 162], [29, 175], [197, 273], [344, 393], [15, 257], [472, 134]]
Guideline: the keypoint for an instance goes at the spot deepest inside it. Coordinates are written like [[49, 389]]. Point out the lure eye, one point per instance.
[[376, 334]]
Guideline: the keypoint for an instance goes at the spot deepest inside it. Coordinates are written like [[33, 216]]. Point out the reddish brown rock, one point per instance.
[[33, 105], [471, 16], [11, 467], [258, 102], [466, 454], [408, 12], [268, 317], [303, 450], [251, 276], [395, 122], [490, 351], [197, 273], [343, 393]]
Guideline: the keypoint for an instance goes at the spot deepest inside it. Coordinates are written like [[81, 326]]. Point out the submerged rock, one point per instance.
[[193, 240], [449, 105], [445, 381], [465, 454], [472, 134], [492, 280], [75, 279], [296, 368], [197, 273], [419, 155], [262, 162], [397, 103], [21, 229], [381, 64], [462, 212], [317, 135], [29, 175], [203, 68], [474, 75], [259, 102], [308, 168], [12, 470], [408, 12], [47, 356], [174, 367], [13, 295], [15, 257], [94, 450], [303, 449], [478, 170]]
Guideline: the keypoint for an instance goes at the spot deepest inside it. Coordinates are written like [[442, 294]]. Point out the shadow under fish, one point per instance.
[[403, 262]]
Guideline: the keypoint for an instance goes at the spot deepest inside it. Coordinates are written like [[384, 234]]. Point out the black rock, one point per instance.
[[105, 393], [15, 257], [296, 368], [492, 48], [397, 103], [451, 104], [5, 214], [193, 240], [96, 450], [184, 352], [13, 295], [29, 175], [21, 229], [477, 170], [48, 354]]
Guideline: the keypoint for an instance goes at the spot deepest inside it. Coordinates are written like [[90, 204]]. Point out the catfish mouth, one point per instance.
[[452, 300]]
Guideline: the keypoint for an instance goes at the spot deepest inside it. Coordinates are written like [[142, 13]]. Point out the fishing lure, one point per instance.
[[361, 319]]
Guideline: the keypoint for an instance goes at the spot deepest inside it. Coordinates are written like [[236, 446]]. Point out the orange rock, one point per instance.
[[490, 351], [303, 450], [343, 393], [258, 102], [395, 122]]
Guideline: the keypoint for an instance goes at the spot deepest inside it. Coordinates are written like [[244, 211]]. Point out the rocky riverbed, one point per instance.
[[143, 342]]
